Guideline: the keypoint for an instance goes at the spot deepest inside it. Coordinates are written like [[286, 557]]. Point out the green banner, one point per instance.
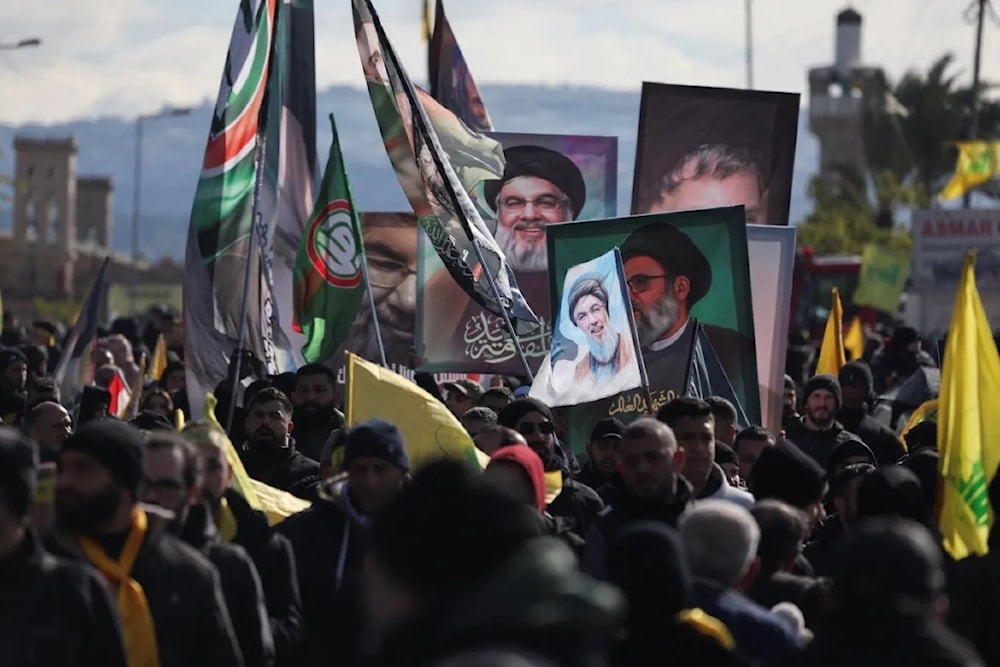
[[883, 276], [681, 268]]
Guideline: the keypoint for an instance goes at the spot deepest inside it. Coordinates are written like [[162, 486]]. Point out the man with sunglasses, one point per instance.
[[577, 502], [667, 274]]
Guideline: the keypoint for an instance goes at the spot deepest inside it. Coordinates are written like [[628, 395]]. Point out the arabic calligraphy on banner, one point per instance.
[[633, 403], [486, 339]]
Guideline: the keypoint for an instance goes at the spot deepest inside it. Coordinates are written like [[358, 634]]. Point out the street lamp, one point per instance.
[[24, 43], [168, 112]]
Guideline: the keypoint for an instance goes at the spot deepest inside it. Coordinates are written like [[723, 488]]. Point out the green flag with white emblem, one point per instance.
[[328, 271]]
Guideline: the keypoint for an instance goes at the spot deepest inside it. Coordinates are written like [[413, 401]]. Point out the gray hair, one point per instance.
[[720, 539], [716, 160]]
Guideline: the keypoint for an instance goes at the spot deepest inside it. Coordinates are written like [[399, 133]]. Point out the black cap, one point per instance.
[[377, 439], [9, 355], [609, 427], [823, 381], [786, 473], [725, 454], [543, 163], [115, 445], [856, 373], [676, 253], [18, 471]]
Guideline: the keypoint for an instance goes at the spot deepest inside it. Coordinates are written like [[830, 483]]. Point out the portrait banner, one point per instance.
[[685, 271], [592, 355], [700, 148], [772, 261], [548, 179]]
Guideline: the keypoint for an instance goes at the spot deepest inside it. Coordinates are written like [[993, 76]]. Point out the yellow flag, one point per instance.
[[275, 503], [968, 422], [978, 162], [159, 358], [926, 411], [854, 339], [831, 350], [429, 429]]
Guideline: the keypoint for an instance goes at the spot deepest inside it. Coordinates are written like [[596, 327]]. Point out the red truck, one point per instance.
[[812, 281]]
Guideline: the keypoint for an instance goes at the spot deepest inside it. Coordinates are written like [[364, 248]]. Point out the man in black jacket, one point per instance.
[[328, 539], [271, 552], [577, 502], [269, 453], [173, 481], [602, 453], [818, 432], [316, 414], [100, 475], [54, 613], [857, 386], [650, 488]]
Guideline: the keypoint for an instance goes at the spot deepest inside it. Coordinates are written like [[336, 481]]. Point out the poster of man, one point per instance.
[[700, 148], [548, 179], [593, 354], [685, 271]]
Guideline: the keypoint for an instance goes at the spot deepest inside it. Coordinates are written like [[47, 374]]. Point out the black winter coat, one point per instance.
[[283, 468], [272, 554], [54, 612], [193, 627]]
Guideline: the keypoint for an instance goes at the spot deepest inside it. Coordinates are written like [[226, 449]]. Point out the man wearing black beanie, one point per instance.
[[168, 595], [858, 388], [54, 612], [818, 432], [328, 538]]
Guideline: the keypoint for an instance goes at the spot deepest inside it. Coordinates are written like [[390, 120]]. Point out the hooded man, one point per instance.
[[269, 452], [457, 575], [328, 538], [55, 612], [168, 595], [315, 408], [818, 431], [857, 388], [784, 472]]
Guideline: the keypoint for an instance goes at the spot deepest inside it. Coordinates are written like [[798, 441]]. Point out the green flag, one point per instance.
[[328, 278], [883, 277]]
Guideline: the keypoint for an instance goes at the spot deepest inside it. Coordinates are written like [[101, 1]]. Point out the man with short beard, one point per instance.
[[269, 453], [316, 414], [588, 310], [667, 274], [168, 595], [818, 432], [539, 187]]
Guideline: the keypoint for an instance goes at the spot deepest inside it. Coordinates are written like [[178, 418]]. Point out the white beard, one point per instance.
[[520, 255], [652, 324], [605, 351]]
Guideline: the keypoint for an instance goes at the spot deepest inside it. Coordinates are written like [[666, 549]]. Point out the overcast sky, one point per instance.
[[124, 57]]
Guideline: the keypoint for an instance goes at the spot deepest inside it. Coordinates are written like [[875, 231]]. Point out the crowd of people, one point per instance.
[[681, 538]]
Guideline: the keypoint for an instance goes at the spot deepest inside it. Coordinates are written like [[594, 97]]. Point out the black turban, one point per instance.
[[543, 163], [676, 253]]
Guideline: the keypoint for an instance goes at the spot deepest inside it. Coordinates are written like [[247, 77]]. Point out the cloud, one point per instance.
[[125, 57]]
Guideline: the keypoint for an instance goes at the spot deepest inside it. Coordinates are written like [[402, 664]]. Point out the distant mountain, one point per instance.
[[173, 147]]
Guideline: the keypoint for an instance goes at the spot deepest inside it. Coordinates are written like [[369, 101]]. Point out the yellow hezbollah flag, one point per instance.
[[429, 429], [883, 277], [159, 358], [831, 350], [926, 412], [854, 339], [978, 162], [968, 422], [275, 503]]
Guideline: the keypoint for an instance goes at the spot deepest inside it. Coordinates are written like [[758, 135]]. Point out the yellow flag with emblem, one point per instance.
[[968, 422], [978, 162], [429, 429], [831, 350]]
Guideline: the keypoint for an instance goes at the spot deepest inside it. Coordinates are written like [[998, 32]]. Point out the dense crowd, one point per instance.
[[681, 539]]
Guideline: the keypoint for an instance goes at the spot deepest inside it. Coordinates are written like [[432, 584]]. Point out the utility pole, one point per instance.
[[749, 42], [974, 120]]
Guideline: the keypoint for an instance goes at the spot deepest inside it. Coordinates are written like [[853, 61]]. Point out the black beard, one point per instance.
[[86, 515], [311, 413]]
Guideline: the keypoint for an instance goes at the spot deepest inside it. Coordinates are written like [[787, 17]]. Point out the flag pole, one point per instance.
[[417, 114], [627, 299], [371, 305], [244, 306]]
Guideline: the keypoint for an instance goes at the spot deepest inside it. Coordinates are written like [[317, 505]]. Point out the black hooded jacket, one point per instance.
[[311, 432], [283, 468]]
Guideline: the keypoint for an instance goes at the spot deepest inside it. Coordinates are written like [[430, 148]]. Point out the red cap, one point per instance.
[[529, 461]]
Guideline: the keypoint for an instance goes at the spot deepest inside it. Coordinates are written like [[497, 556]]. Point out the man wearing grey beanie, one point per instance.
[[818, 432]]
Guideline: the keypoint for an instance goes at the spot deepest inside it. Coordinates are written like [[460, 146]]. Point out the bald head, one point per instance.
[[649, 459], [49, 423], [494, 436]]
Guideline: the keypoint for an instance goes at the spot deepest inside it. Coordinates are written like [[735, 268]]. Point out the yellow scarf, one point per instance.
[[133, 608], [226, 521], [707, 625]]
